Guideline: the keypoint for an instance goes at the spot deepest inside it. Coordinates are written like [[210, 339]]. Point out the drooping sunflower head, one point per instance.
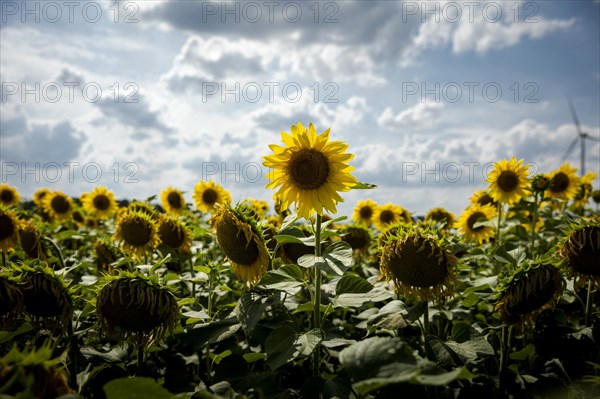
[[563, 182], [172, 201], [364, 212], [580, 250], [241, 242], [358, 237], [136, 305], [596, 196], [482, 197], [38, 196], [419, 263], [532, 288], [208, 194], [12, 302], [141, 206], [100, 203], [9, 229], [30, 239], [58, 205], [9, 196], [540, 183], [136, 233], [106, 254], [469, 223], [390, 214], [508, 181], [175, 234], [309, 170], [441, 215]]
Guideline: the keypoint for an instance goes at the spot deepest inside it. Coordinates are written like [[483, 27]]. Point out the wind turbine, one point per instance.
[[581, 137]]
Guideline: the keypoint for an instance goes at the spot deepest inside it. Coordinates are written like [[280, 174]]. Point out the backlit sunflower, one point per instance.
[[580, 251], [9, 196], [584, 190], [388, 215], [508, 181], [172, 200], [9, 229], [38, 196], [242, 244], [208, 194], [482, 197], [563, 182], [473, 215], [139, 206], [58, 205], [310, 169], [419, 263], [100, 203], [175, 234], [29, 237], [439, 215], [105, 255], [136, 234], [364, 211], [280, 209]]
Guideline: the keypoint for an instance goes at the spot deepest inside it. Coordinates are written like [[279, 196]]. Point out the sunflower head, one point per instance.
[[440, 215], [419, 263], [468, 223], [208, 194], [29, 236], [540, 183], [563, 182], [38, 197], [364, 212], [508, 181], [136, 233], [12, 302], [281, 210], [309, 171], [532, 288], [9, 229], [482, 197], [390, 214], [58, 205], [260, 207], [78, 216], [138, 306], [175, 234], [292, 251], [172, 201], [9, 196], [106, 254], [100, 203], [240, 240], [358, 237], [580, 250], [140, 206]]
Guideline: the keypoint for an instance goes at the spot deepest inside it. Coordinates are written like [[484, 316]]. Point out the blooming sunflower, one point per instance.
[[364, 212], [584, 190], [471, 216], [136, 234], [174, 234], [482, 197], [310, 169], [208, 194], [38, 196], [29, 236], [78, 216], [241, 242], [106, 254], [419, 263], [563, 182], [9, 196], [139, 206], [390, 214], [9, 229], [437, 215], [58, 205], [508, 181], [100, 203], [172, 200], [580, 250]]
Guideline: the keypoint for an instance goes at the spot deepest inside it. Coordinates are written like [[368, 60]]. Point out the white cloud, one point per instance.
[[421, 115]]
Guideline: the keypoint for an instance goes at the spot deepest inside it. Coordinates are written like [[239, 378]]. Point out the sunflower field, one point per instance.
[[161, 298]]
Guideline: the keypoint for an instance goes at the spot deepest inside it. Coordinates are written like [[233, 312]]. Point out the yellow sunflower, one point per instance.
[[472, 215], [241, 243], [310, 169], [508, 181], [437, 215], [136, 234], [584, 190], [260, 207], [9, 196], [364, 212], [482, 197], [208, 194], [9, 229], [100, 203], [174, 234], [172, 200], [30, 239], [58, 205], [38, 196], [563, 182], [388, 215]]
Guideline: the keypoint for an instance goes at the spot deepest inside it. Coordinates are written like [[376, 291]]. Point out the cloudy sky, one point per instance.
[[140, 95]]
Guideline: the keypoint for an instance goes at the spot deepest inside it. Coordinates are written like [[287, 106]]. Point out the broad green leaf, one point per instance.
[[445, 378], [306, 343], [217, 358], [287, 278], [280, 347], [254, 356], [471, 300], [135, 388], [10, 335], [216, 331], [338, 257], [352, 284], [251, 306], [364, 186], [377, 294]]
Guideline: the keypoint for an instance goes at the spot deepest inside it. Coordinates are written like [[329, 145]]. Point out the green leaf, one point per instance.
[[527, 352], [471, 300], [217, 358], [306, 343], [216, 331], [251, 306], [254, 356], [364, 186], [352, 284], [445, 378], [338, 257], [377, 294], [280, 347], [287, 278], [135, 388], [10, 335]]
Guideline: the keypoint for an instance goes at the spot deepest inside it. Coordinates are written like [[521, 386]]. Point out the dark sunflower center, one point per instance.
[[6, 196], [78, 217], [387, 216], [508, 181], [60, 204], [44, 297], [29, 242], [174, 199], [485, 199], [7, 227], [438, 216], [532, 292], [366, 212], [101, 202], [473, 219], [209, 196], [560, 182], [170, 234], [234, 243], [414, 265], [309, 169], [136, 232]]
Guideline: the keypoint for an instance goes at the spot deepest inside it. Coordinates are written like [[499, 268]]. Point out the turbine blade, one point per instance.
[[574, 116], [592, 138], [570, 149]]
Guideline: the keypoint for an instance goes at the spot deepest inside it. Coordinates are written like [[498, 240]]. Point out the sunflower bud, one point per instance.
[[540, 183]]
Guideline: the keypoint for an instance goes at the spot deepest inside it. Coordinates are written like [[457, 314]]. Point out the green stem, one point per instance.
[[504, 350], [317, 296], [192, 275], [534, 221], [209, 311], [426, 321], [588, 305], [498, 224], [3, 259], [74, 350], [56, 250]]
